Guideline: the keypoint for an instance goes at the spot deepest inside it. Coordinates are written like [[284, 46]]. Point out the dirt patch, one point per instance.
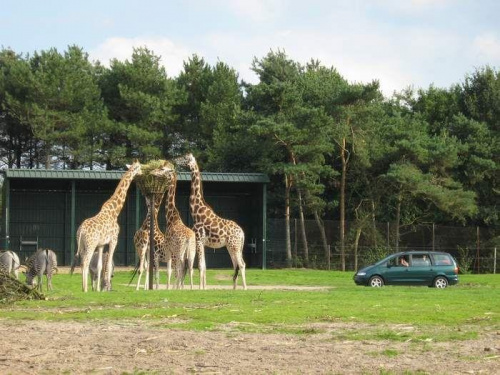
[[41, 347]]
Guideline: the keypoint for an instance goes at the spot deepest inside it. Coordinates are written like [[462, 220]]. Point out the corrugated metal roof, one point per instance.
[[116, 175]]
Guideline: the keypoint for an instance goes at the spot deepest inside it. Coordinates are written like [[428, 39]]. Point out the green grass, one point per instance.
[[390, 313]]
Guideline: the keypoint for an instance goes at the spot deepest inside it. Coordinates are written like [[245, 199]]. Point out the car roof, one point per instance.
[[420, 252]]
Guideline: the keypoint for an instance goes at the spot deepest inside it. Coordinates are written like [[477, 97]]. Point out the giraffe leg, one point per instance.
[[85, 275], [141, 268], [191, 253], [111, 253], [235, 268], [200, 249], [99, 270], [242, 265], [180, 272], [238, 265], [180, 265], [169, 271]]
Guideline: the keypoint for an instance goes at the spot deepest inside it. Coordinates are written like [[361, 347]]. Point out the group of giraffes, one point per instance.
[[178, 245]]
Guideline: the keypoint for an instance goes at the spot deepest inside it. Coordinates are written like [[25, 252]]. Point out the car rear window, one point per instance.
[[442, 260]]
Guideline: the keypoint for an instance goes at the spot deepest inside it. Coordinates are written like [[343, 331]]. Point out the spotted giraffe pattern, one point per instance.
[[210, 229], [141, 238], [180, 241], [141, 242], [103, 229]]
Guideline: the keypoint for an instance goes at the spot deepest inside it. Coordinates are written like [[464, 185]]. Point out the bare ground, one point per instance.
[[41, 347]]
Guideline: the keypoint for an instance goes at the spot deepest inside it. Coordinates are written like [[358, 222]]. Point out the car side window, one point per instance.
[[442, 260], [420, 260], [394, 262]]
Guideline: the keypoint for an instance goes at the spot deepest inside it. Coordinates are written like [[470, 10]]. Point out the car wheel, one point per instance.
[[440, 282], [376, 282]]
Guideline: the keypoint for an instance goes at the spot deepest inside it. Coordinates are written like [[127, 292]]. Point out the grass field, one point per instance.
[[456, 313], [334, 328]]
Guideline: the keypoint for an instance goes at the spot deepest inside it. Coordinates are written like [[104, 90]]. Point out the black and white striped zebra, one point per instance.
[[43, 262], [93, 271], [9, 263]]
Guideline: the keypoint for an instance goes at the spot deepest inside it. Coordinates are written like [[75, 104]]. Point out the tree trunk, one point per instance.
[[398, 218], [303, 231], [374, 225], [47, 157], [356, 243], [342, 203], [295, 243], [287, 222], [322, 232]]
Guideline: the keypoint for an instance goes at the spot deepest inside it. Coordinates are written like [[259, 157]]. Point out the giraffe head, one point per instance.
[[166, 170], [135, 168], [186, 161]]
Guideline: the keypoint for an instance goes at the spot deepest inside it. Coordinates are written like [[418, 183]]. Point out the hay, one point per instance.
[[154, 164], [151, 184], [12, 290]]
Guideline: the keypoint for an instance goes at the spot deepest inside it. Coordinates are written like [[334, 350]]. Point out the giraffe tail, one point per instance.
[[77, 255], [73, 265], [236, 271], [135, 272]]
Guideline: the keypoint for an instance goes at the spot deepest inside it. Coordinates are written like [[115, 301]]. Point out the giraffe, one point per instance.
[[141, 237], [180, 241], [210, 229], [102, 229], [141, 241]]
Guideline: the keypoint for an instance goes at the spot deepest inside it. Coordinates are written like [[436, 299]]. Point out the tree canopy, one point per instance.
[[332, 148]]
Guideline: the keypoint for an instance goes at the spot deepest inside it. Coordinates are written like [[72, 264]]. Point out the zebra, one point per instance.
[[93, 270], [9, 263], [44, 261]]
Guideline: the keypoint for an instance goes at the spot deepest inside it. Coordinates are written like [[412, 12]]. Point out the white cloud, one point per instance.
[[256, 10], [413, 6], [488, 46], [172, 55]]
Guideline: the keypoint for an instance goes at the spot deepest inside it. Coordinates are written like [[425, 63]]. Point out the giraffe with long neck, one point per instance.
[[103, 229], [180, 241], [210, 229], [142, 236], [141, 240]]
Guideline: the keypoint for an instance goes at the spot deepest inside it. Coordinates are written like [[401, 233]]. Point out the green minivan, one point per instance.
[[431, 268]]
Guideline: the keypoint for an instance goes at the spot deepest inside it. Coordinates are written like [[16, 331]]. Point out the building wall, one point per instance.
[[43, 209]]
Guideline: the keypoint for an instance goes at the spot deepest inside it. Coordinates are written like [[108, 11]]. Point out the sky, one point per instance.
[[400, 43]]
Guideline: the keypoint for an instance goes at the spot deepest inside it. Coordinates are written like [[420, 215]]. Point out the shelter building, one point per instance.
[[43, 209]]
